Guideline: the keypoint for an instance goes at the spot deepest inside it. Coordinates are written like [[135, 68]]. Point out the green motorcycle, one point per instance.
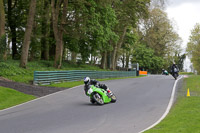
[[100, 96]]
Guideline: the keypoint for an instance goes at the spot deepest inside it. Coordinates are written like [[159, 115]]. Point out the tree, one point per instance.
[[130, 43], [101, 31], [128, 13], [2, 19], [45, 26], [146, 58], [179, 60], [40, 39], [16, 13], [13, 25], [157, 32], [27, 36], [158, 4], [2, 32], [58, 28], [90, 24], [193, 47]]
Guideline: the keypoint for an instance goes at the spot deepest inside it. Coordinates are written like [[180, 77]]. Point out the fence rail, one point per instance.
[[48, 77]]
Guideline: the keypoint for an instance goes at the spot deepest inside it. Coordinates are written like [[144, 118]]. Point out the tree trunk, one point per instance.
[[115, 55], [73, 57], [2, 19], [14, 44], [127, 60], [51, 41], [109, 60], [64, 53], [45, 31], [2, 32], [123, 60], [27, 36], [12, 25], [58, 31], [103, 60]]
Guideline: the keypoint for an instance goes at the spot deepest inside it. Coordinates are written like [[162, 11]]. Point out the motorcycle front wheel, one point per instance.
[[98, 99], [92, 101], [113, 98], [175, 76]]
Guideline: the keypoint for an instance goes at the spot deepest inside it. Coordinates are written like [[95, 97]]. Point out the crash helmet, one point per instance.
[[86, 80]]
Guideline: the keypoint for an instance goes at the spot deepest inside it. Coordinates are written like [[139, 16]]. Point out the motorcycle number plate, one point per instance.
[[90, 91]]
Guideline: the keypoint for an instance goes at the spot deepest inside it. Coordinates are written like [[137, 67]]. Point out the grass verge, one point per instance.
[[186, 73], [10, 97], [184, 116], [10, 69]]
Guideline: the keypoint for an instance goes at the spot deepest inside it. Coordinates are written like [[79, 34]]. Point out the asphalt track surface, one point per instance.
[[140, 103]]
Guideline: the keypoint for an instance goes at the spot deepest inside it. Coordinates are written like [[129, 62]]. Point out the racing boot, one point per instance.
[[109, 93]]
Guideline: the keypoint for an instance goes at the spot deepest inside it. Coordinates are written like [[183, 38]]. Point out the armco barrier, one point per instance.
[[47, 77]]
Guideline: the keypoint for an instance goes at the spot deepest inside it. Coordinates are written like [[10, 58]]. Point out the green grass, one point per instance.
[[186, 73], [193, 83], [66, 84], [184, 117], [10, 97], [10, 69]]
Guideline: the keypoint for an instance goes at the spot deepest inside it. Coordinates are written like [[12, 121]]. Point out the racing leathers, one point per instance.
[[174, 69], [96, 84]]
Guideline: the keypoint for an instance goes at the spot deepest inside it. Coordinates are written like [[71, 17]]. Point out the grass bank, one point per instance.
[[184, 116], [10, 97], [10, 69], [186, 73]]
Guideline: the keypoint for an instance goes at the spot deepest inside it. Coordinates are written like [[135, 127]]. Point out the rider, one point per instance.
[[164, 72], [173, 67], [88, 82]]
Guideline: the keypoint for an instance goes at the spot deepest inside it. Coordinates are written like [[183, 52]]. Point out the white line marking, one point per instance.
[[168, 107]]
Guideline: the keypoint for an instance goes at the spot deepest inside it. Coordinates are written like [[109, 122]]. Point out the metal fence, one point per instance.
[[48, 77]]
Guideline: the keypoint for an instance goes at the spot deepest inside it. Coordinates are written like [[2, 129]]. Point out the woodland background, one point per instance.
[[108, 33]]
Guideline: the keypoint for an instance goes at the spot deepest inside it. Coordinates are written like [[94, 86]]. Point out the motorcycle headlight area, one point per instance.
[[90, 91]]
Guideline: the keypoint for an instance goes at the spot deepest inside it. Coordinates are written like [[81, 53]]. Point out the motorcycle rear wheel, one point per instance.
[[98, 99]]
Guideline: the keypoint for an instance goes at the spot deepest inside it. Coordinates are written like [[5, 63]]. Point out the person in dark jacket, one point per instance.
[[174, 68], [88, 82]]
